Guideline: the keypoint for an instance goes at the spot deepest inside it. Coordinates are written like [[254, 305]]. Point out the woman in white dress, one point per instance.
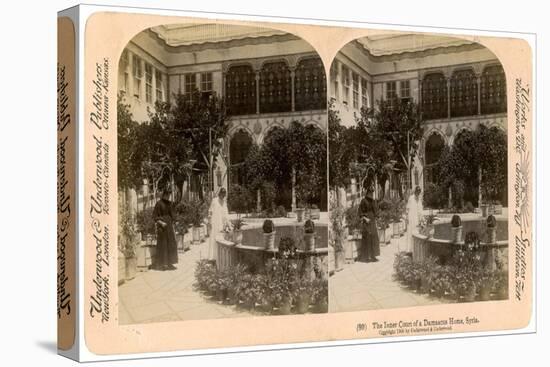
[[219, 216], [414, 214]]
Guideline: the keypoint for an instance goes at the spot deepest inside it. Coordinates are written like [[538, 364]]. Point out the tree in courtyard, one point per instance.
[[196, 124], [129, 168]]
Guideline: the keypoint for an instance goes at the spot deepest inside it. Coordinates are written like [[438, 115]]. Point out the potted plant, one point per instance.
[[384, 219], [287, 248], [427, 225], [491, 229], [314, 212], [440, 280], [396, 214], [497, 207], [501, 285], [353, 221], [269, 234], [309, 235], [302, 294], [237, 230], [320, 295], [195, 211], [300, 210], [181, 226], [337, 234], [456, 227], [129, 237], [485, 284], [425, 269]]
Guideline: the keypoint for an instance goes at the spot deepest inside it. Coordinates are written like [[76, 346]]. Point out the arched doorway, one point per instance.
[[239, 146], [432, 152]]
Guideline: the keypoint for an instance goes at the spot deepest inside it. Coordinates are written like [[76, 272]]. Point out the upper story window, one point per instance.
[[206, 85], [345, 84], [405, 90], [190, 85], [148, 83], [310, 88], [364, 93], [355, 80], [434, 96], [463, 93], [334, 77], [137, 73], [275, 87], [159, 86], [493, 90], [240, 90], [391, 92]]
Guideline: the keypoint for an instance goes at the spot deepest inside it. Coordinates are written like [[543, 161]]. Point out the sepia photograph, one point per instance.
[[417, 172], [222, 174]]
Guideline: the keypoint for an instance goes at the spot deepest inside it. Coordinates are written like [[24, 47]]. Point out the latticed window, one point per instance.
[[240, 90], [391, 93], [310, 85], [364, 93], [463, 93], [345, 84], [405, 90], [275, 88], [148, 83], [190, 85], [137, 73], [493, 90], [206, 85], [355, 79], [159, 86], [334, 77], [434, 96]]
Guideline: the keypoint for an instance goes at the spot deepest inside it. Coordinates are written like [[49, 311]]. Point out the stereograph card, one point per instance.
[[242, 183]]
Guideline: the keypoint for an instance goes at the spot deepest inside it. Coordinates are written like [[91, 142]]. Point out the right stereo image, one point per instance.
[[417, 173]]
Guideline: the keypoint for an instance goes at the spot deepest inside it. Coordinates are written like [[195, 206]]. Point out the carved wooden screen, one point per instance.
[[493, 90], [310, 87], [275, 88], [463, 93], [434, 96], [240, 90]]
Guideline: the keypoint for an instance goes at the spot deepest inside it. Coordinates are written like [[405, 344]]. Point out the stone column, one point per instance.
[[448, 97], [478, 79], [258, 92], [340, 80], [292, 89], [293, 189]]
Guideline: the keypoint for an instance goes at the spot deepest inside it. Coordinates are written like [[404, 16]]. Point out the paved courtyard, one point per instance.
[[369, 286], [156, 296]]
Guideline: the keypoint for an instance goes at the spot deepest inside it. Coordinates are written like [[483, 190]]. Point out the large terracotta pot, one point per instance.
[[237, 236], [196, 235], [338, 260], [456, 234], [300, 214], [309, 242], [302, 303], [269, 240], [491, 234], [285, 306]]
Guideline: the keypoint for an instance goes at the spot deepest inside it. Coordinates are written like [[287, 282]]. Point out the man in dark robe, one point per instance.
[[368, 211], [167, 250]]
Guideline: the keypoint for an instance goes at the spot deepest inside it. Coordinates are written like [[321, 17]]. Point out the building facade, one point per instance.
[[266, 78], [458, 85]]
